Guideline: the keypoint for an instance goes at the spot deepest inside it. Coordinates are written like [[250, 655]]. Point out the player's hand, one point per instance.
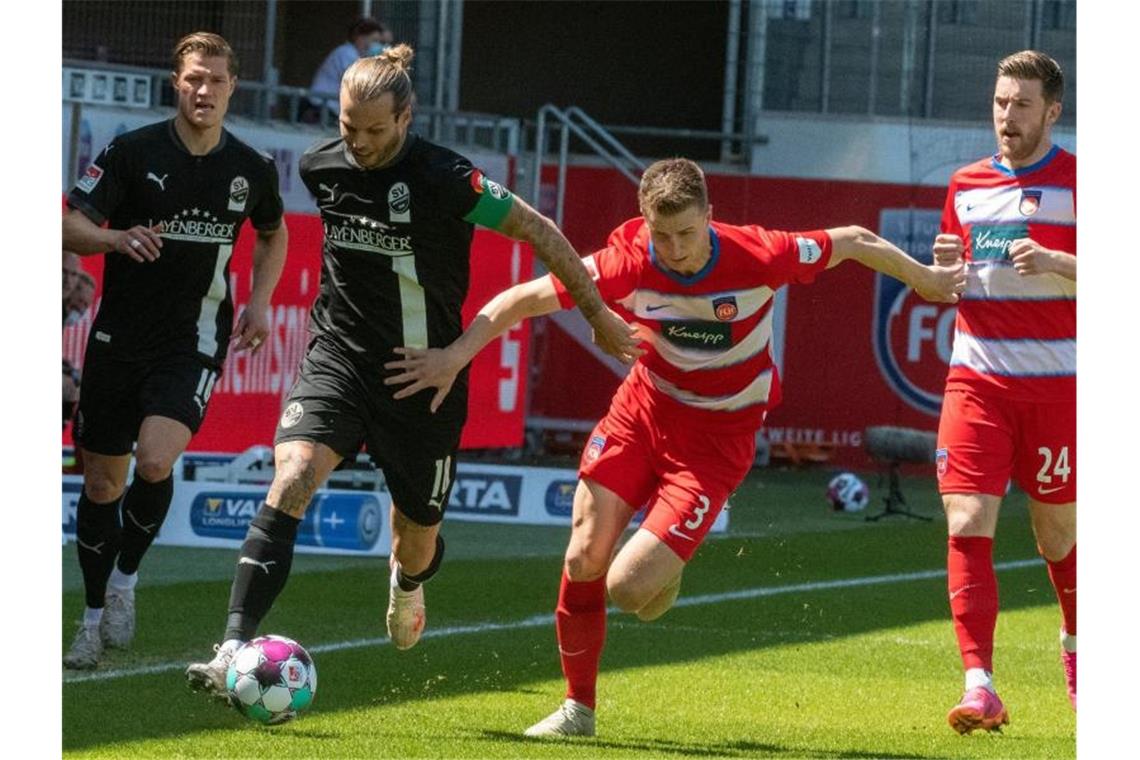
[[1029, 257], [140, 242], [948, 249], [252, 328], [615, 336], [944, 283], [423, 368]]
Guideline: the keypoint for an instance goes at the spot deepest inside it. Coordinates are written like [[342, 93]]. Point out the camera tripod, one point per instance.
[[894, 501]]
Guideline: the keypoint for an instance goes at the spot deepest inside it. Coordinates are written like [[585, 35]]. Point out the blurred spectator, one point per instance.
[[71, 269], [78, 300], [78, 293], [366, 36], [70, 391]]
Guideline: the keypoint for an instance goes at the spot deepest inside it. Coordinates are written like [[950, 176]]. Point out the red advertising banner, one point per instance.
[[857, 349], [248, 396]]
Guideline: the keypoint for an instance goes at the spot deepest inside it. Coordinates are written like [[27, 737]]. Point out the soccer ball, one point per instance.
[[271, 679], [847, 493]]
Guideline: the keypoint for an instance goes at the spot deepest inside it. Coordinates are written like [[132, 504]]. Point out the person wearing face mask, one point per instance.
[[366, 37]]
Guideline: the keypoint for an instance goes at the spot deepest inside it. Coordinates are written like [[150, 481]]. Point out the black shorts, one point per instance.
[[331, 404], [116, 394]]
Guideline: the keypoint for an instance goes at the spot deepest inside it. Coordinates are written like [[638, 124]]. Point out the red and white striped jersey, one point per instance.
[[707, 353], [1015, 335]]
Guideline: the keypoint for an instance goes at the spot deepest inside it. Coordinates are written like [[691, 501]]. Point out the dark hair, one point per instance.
[[209, 45], [365, 25], [1031, 64]]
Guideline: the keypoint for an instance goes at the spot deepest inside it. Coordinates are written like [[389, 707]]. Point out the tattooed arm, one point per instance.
[[611, 333]]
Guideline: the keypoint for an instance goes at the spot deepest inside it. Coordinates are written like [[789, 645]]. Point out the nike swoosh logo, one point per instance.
[[955, 592], [571, 654], [1068, 591], [1044, 491], [657, 307], [674, 531]]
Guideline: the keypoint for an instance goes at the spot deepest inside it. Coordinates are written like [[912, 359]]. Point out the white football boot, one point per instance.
[[210, 677], [407, 615], [86, 649], [117, 628], [570, 719]]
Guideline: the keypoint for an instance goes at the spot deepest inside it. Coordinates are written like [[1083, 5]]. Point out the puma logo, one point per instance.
[[263, 565], [144, 528], [330, 190], [334, 196], [97, 548], [161, 182]]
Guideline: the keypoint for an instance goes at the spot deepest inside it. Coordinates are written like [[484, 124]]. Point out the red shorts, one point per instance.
[[985, 440], [683, 473]]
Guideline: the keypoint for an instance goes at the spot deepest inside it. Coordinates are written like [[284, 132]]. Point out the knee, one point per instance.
[[967, 518], [583, 565], [1055, 546], [151, 468], [627, 594], [102, 488], [294, 483]]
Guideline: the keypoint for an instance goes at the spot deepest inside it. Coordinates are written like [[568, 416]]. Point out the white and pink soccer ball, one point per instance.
[[271, 679], [847, 493]]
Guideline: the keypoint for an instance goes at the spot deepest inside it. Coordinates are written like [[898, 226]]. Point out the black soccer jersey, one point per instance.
[[180, 303], [395, 264]]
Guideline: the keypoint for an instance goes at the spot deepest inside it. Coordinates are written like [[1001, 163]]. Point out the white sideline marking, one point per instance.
[[536, 621]]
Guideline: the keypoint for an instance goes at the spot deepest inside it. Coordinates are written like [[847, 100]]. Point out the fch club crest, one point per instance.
[[912, 338]]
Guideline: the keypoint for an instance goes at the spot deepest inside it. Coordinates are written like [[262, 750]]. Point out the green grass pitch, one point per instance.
[[838, 644]]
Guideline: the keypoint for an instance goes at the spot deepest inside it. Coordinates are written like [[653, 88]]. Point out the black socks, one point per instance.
[[97, 538], [262, 569], [412, 582], [144, 508]]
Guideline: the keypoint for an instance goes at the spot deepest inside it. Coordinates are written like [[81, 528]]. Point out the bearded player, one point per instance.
[[1010, 405]]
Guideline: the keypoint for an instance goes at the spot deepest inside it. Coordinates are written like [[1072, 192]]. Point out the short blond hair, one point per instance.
[[672, 185], [210, 45], [372, 76], [1032, 64]]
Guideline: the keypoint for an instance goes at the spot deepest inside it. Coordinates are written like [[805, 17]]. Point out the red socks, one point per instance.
[[973, 589], [1064, 576], [580, 620]]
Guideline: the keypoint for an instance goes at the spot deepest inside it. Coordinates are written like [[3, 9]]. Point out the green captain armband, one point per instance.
[[493, 204]]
